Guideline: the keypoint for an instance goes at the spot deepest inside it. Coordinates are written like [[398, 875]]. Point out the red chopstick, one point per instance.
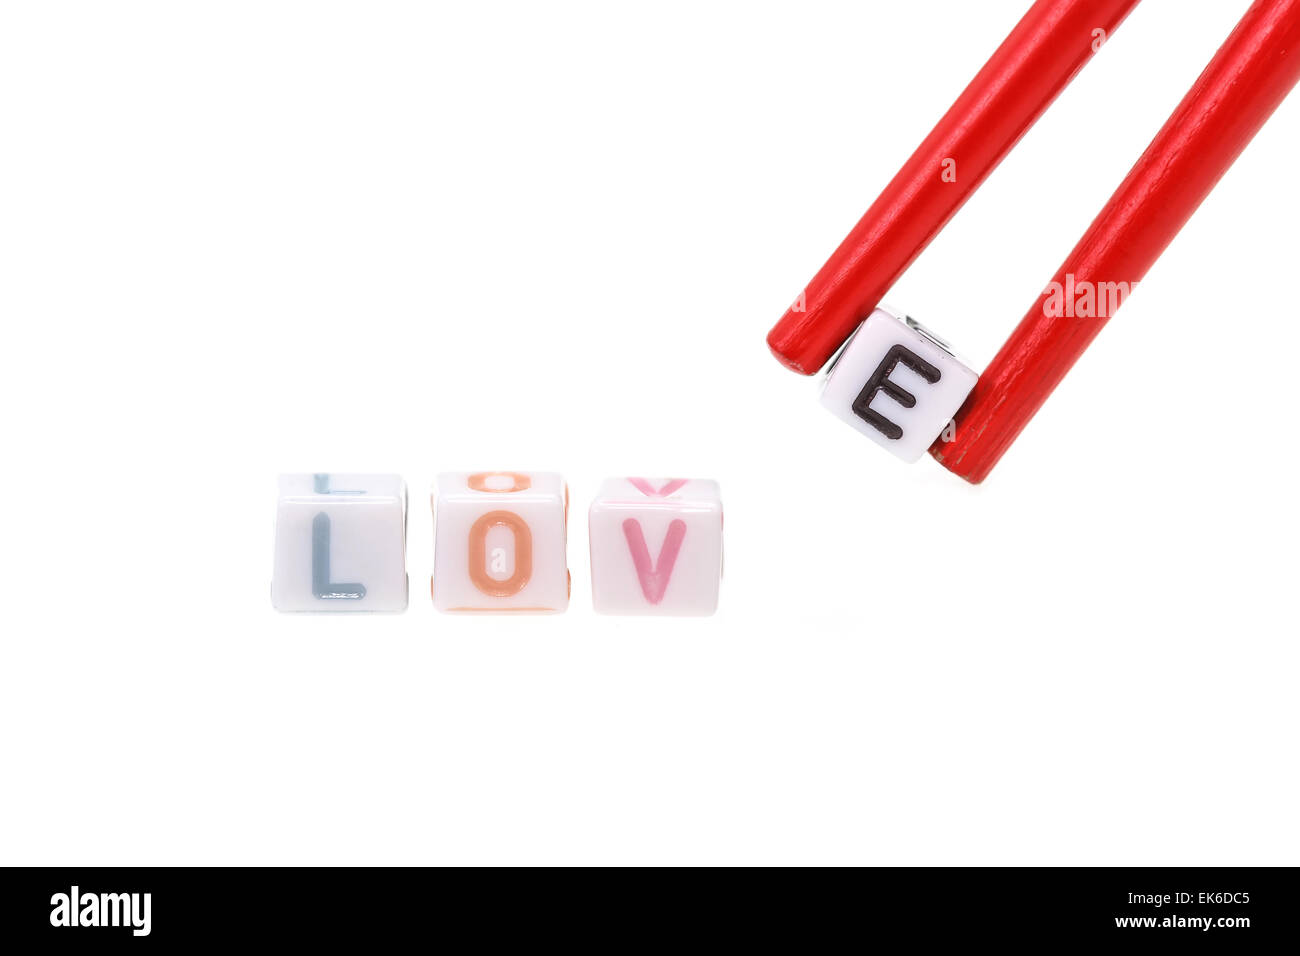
[[1049, 45], [1250, 75]]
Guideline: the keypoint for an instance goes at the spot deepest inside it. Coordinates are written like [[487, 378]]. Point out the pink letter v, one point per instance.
[[654, 578], [647, 489]]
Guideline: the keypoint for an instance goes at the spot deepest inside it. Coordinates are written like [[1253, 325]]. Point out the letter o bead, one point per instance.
[[656, 546], [897, 384], [500, 542], [340, 543]]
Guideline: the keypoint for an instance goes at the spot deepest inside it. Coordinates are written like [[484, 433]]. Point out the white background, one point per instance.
[[244, 238]]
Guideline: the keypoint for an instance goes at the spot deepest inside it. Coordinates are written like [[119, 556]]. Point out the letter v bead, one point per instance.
[[682, 518]]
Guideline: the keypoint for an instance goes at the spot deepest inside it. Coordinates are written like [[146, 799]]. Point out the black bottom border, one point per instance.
[[383, 908]]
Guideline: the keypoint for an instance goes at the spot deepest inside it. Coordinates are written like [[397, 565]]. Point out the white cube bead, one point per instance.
[[500, 542], [340, 543], [656, 546], [897, 385]]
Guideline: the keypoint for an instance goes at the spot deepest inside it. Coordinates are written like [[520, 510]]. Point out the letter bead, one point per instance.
[[500, 542], [656, 546], [340, 543], [897, 384]]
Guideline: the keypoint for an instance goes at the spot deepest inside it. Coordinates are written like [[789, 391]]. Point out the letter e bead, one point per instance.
[[897, 384]]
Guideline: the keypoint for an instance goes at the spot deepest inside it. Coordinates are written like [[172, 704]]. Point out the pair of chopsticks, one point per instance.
[[1248, 77]]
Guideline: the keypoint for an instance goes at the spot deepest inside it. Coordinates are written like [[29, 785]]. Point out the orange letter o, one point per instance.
[[518, 482], [478, 533]]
